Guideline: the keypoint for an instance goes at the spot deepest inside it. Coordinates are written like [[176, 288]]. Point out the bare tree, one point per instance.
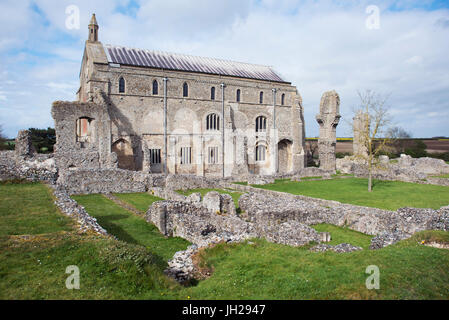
[[374, 133], [400, 137]]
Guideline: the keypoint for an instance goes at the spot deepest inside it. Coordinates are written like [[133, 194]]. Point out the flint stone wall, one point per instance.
[[267, 206], [407, 169], [214, 220], [36, 167], [108, 181]]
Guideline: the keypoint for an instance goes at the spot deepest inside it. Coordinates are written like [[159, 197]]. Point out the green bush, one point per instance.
[[418, 150], [341, 155]]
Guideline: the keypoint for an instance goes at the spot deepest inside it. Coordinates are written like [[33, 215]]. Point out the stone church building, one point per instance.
[[170, 113]]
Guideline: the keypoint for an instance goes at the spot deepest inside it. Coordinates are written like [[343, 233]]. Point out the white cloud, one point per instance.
[[317, 45]]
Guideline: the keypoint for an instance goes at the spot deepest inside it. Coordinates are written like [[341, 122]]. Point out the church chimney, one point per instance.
[[93, 29]]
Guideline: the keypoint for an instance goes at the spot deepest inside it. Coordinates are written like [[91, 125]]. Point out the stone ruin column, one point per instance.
[[359, 126], [298, 128], [328, 119], [24, 147]]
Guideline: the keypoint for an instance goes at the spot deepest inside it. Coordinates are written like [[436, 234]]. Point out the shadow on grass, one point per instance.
[[111, 227], [107, 222]]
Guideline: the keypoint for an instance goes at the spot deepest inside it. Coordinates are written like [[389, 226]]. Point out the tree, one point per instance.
[[400, 137], [375, 125], [2, 139], [43, 139]]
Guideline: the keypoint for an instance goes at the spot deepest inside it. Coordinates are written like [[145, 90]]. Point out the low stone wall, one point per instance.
[[71, 208], [266, 206], [186, 182], [406, 169], [36, 167], [197, 224], [86, 181]]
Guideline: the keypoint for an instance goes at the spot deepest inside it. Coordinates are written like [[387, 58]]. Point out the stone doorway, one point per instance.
[[285, 156], [125, 154]]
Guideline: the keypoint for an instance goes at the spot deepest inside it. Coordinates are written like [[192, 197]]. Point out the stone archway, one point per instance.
[[285, 156], [125, 154]]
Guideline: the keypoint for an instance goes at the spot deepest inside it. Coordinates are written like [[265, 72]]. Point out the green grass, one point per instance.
[[141, 201], [129, 227], [311, 178], [389, 195], [28, 208], [37, 243], [33, 266], [344, 235], [263, 270], [442, 176], [234, 194]]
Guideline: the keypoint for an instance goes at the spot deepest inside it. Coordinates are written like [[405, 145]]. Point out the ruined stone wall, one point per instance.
[[328, 119], [360, 125], [24, 163], [86, 181], [263, 206], [91, 151]]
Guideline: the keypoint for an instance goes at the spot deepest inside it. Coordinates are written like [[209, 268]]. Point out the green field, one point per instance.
[[390, 195], [140, 201], [33, 259]]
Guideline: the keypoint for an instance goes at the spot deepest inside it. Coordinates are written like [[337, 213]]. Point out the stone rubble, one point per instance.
[[339, 248], [71, 208]]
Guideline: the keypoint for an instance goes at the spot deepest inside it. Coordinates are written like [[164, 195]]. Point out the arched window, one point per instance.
[[213, 122], [155, 87], [282, 99], [83, 129], [260, 152], [121, 85], [237, 95], [261, 124], [261, 97], [185, 90], [212, 93]]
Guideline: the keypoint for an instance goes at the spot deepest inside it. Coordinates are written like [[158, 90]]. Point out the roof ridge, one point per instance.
[[187, 62], [191, 55]]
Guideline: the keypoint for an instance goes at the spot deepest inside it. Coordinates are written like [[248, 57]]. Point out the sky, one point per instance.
[[398, 49]]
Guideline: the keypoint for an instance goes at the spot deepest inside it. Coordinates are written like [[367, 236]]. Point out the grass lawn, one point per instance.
[[234, 194], [344, 235], [37, 243], [263, 270], [32, 265], [130, 227], [389, 195], [27, 209], [442, 176], [140, 201]]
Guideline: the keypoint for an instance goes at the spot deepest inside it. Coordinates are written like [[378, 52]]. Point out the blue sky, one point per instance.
[[317, 45]]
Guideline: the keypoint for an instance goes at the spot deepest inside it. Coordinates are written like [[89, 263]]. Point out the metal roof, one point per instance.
[[181, 62]]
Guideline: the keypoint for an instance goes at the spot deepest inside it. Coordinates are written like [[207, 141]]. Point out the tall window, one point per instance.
[[212, 93], [261, 124], [83, 129], [213, 122], [237, 95], [261, 97], [283, 99], [185, 90], [121, 85], [155, 156], [155, 87], [186, 155], [260, 153], [213, 155]]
